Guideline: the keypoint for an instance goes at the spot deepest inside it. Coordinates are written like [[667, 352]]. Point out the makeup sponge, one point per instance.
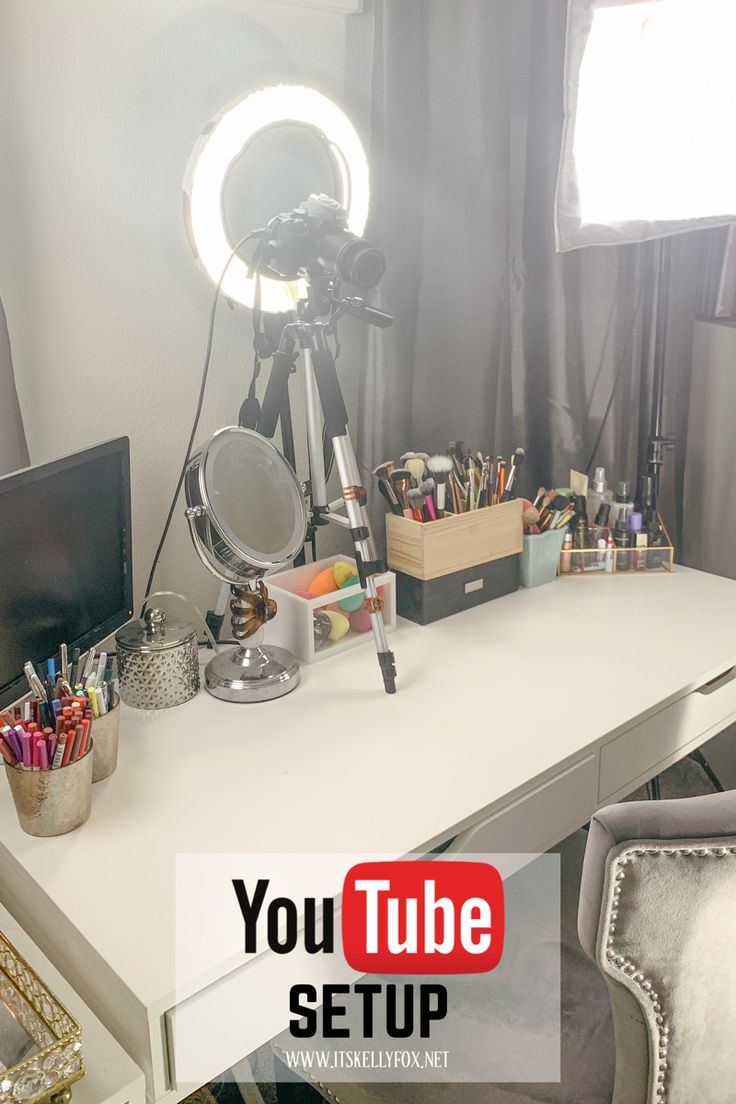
[[356, 600], [342, 571], [360, 621], [340, 625], [324, 583]]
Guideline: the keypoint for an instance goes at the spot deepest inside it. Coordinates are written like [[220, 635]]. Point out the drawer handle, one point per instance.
[[718, 682]]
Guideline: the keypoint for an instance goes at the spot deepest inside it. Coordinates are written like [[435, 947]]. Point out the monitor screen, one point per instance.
[[65, 558]]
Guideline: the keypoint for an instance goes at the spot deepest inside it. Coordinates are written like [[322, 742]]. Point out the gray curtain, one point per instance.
[[13, 448], [499, 341]]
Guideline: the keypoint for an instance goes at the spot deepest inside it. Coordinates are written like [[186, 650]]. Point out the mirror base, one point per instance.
[[251, 674]]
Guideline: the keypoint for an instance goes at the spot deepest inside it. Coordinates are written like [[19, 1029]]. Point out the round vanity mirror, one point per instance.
[[247, 517], [250, 512]]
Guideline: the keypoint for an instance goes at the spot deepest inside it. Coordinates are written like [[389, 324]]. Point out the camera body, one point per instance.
[[314, 239]]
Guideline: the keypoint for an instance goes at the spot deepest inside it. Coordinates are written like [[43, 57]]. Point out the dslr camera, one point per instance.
[[314, 240]]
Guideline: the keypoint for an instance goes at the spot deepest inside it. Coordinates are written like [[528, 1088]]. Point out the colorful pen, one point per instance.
[[7, 752], [60, 752]]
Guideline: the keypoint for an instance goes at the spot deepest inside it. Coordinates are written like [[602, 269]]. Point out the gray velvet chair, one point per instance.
[[657, 907]]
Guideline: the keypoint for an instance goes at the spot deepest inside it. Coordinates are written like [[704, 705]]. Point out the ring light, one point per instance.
[[225, 139]]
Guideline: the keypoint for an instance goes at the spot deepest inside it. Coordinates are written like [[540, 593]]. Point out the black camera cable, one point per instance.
[[198, 412]]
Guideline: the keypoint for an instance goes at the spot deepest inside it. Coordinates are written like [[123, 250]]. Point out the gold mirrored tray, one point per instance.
[[40, 1044]]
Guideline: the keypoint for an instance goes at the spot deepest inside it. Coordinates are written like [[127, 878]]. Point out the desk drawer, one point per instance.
[[540, 818], [637, 755], [213, 1029]]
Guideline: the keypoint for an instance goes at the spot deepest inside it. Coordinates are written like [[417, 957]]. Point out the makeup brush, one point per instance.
[[500, 480], [516, 461], [439, 467], [452, 490], [428, 487], [558, 506], [530, 517], [416, 503], [546, 500], [401, 482], [415, 465], [407, 456], [470, 479], [564, 519], [483, 481], [491, 480], [456, 452], [387, 491], [383, 471]]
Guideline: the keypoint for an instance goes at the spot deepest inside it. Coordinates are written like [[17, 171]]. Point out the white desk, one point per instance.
[[111, 1077], [533, 710]]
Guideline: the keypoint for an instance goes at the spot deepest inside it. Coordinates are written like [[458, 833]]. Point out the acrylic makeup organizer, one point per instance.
[[610, 562]]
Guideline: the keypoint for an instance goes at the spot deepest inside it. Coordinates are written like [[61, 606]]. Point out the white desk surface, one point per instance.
[[111, 1077], [488, 700]]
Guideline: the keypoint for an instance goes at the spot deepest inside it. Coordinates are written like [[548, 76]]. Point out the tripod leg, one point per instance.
[[336, 423], [314, 436], [368, 566]]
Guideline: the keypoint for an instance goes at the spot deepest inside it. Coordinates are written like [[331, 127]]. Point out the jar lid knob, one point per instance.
[[155, 621]]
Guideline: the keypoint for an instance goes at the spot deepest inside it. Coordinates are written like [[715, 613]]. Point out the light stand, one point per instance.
[[660, 442], [324, 401]]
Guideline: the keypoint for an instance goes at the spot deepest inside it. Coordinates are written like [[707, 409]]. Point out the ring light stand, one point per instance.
[[222, 142]]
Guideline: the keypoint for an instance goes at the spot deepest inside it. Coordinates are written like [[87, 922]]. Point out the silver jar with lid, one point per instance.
[[158, 661]]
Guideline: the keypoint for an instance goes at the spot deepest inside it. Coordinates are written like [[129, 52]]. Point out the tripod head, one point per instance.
[[313, 243], [323, 302]]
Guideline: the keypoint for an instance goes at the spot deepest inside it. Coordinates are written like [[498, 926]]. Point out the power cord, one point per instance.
[[198, 412]]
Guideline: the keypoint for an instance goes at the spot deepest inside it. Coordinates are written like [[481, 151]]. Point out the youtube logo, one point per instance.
[[423, 917]]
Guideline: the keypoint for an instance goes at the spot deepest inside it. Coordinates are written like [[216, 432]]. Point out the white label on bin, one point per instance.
[[477, 584]]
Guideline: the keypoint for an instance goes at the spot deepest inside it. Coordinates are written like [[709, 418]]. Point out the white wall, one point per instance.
[[102, 101]]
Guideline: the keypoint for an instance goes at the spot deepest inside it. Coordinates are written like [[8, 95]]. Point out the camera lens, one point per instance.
[[351, 258]]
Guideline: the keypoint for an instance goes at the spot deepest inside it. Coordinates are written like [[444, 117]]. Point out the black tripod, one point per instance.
[[325, 406]]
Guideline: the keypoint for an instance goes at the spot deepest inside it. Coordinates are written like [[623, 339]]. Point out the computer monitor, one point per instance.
[[65, 558]]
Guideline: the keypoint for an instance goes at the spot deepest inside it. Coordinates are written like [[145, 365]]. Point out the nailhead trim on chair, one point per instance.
[[629, 968]]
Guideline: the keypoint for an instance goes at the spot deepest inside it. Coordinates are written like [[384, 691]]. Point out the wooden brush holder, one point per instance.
[[461, 561]]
